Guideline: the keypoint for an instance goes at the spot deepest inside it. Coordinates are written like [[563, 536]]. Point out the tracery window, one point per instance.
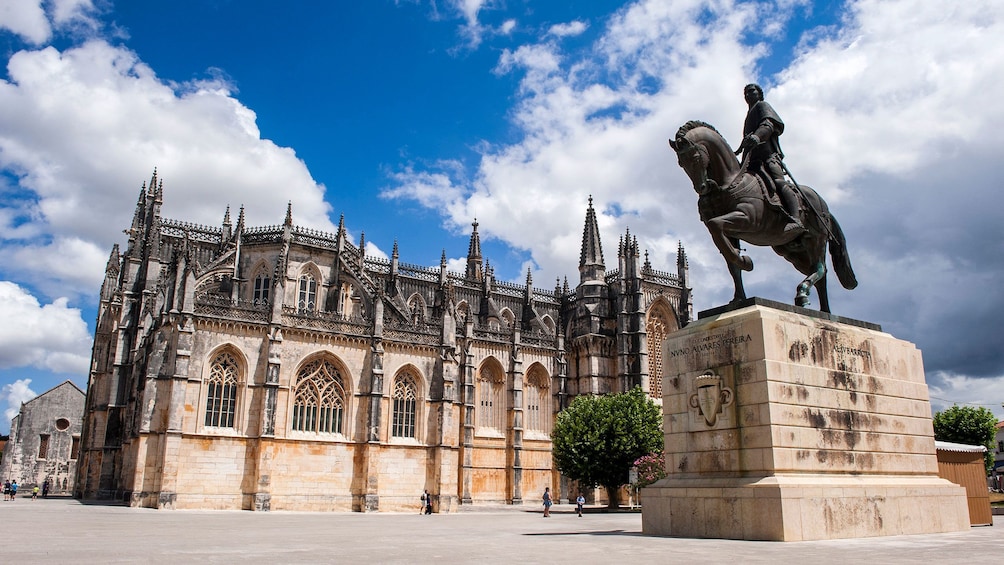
[[319, 399], [417, 307], [537, 400], [405, 398], [463, 312], [307, 298], [491, 398], [221, 391], [508, 318], [262, 288], [661, 322]]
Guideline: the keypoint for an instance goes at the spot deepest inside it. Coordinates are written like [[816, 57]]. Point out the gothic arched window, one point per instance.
[[307, 294], [491, 398], [417, 307], [537, 401], [319, 399], [262, 289], [660, 323], [221, 391], [405, 397]]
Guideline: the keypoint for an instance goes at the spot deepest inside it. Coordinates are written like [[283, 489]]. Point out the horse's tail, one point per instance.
[[838, 254]]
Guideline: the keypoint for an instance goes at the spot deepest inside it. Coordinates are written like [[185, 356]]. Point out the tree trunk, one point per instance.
[[613, 496]]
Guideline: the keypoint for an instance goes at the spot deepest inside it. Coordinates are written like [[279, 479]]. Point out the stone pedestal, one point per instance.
[[787, 425]]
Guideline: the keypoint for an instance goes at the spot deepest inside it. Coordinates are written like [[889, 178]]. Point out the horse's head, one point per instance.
[[693, 159], [704, 155]]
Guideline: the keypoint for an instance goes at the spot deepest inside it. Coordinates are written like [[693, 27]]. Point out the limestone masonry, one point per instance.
[[786, 426], [282, 368]]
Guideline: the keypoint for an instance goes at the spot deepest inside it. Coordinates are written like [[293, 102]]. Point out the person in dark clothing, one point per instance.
[[760, 145]]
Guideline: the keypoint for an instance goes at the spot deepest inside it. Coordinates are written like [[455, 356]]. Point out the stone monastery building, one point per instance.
[[279, 367]]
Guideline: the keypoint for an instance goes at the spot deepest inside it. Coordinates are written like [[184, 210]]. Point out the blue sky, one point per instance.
[[412, 118]]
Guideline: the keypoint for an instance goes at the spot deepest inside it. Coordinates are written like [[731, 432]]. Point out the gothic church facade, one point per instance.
[[279, 367]]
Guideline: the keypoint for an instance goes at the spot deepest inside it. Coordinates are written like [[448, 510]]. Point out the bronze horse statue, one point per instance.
[[734, 205]]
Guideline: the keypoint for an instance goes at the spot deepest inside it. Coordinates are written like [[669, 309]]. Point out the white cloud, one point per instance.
[[86, 126], [50, 336], [27, 19], [569, 29], [30, 20], [473, 30], [947, 389], [15, 394]]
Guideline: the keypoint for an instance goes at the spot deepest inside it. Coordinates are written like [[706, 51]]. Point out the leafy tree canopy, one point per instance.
[[969, 425], [597, 439]]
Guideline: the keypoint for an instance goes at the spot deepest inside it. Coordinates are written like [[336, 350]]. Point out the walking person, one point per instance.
[[6, 490], [428, 503], [423, 498], [547, 502], [34, 493], [579, 502], [45, 489], [13, 490]]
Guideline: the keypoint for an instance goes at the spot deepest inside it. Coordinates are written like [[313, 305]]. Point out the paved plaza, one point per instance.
[[66, 531]]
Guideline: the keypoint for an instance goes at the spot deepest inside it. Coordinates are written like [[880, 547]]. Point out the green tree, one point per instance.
[[968, 425], [597, 439]]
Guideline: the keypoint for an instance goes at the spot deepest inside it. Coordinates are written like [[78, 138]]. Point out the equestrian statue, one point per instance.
[[754, 201]]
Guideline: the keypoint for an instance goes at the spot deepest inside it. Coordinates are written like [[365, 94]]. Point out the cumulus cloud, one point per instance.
[[83, 128], [13, 395], [889, 115], [29, 18], [46, 336], [568, 29]]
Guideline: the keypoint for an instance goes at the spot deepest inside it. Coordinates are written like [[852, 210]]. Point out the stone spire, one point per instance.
[[591, 267], [227, 228], [394, 261], [687, 296], [112, 269], [474, 268]]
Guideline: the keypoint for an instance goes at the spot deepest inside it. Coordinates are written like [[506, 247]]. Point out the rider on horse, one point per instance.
[[760, 145]]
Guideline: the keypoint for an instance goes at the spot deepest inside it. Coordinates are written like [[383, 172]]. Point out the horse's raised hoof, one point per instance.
[[745, 263], [802, 300]]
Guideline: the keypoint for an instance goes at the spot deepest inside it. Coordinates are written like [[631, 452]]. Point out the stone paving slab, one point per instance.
[[66, 531]]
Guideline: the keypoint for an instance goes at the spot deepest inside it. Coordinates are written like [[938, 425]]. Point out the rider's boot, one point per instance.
[[790, 202]]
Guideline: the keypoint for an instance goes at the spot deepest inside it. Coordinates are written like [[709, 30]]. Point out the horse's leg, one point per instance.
[[824, 300], [737, 276], [802, 294], [734, 221]]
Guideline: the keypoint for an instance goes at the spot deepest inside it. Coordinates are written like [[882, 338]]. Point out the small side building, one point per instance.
[[45, 440], [964, 466]]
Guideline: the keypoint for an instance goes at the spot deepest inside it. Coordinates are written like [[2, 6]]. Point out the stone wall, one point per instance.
[[44, 441]]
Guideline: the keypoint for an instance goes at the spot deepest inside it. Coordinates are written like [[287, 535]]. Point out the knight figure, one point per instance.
[[760, 146]]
